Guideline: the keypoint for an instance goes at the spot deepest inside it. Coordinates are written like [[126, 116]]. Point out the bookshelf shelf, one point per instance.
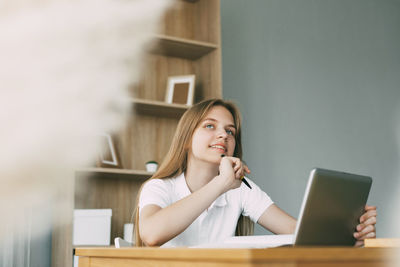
[[158, 108], [114, 173], [181, 47]]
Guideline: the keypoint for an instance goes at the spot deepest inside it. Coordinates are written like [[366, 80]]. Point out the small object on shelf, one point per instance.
[[180, 89], [129, 233], [108, 156], [151, 166], [92, 227], [122, 243]]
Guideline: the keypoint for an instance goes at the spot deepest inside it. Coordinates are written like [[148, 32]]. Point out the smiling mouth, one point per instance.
[[221, 148]]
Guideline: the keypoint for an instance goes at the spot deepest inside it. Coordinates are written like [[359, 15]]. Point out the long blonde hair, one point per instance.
[[175, 161]]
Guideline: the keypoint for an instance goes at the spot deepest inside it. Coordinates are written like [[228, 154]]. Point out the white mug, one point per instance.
[[151, 166]]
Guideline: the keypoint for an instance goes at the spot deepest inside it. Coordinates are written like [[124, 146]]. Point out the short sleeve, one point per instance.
[[254, 201], [156, 192]]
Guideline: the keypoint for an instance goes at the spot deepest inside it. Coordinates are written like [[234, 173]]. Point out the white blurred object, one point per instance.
[[65, 69], [92, 227], [151, 166], [121, 243], [128, 232]]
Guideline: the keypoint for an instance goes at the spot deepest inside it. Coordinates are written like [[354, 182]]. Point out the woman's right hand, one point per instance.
[[231, 172]]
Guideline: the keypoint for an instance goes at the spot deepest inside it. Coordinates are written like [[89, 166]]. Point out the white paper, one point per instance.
[[256, 241]]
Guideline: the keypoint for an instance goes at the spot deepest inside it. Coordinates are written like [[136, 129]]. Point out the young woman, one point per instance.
[[197, 196]]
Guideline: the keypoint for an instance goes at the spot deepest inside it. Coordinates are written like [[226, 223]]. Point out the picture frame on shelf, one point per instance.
[[108, 152], [180, 90]]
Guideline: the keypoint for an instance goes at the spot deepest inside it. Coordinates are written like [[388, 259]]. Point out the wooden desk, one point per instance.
[[382, 243], [177, 257]]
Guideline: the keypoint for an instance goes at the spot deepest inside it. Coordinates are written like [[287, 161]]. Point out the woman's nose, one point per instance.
[[222, 133]]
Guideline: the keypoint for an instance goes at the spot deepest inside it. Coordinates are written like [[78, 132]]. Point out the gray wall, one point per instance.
[[318, 86]]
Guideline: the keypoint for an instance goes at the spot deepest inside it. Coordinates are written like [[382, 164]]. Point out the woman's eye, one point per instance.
[[230, 132], [210, 126]]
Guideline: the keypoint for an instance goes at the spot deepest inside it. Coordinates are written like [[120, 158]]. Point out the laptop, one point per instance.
[[332, 205]]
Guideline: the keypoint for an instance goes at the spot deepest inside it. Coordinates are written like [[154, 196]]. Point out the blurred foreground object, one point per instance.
[[64, 72]]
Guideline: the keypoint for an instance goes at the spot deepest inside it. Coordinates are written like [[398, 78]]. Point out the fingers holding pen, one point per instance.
[[235, 169], [239, 167], [227, 174], [243, 170], [239, 170]]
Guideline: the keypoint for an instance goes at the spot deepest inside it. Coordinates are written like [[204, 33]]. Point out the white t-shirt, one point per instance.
[[216, 223]]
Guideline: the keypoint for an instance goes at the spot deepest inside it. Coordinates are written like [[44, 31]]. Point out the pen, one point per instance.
[[245, 182], [241, 178]]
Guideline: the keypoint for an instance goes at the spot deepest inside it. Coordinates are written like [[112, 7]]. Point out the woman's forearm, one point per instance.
[[158, 226]]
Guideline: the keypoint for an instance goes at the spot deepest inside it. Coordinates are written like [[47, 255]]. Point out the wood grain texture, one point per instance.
[[149, 139], [336, 256], [382, 242], [158, 68], [198, 21], [84, 262]]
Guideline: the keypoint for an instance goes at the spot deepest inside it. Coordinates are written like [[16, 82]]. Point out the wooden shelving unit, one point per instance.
[[182, 48], [114, 173], [187, 43], [158, 108]]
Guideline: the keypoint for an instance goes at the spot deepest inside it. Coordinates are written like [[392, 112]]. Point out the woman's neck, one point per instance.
[[198, 174]]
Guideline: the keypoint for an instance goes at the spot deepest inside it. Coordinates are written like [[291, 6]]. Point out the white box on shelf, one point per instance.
[[92, 227]]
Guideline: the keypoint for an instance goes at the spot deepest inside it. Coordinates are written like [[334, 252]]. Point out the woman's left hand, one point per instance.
[[366, 228]]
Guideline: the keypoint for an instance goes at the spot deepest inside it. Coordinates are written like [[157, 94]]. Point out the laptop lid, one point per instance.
[[331, 208]]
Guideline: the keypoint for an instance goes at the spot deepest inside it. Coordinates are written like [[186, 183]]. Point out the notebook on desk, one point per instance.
[[332, 205]]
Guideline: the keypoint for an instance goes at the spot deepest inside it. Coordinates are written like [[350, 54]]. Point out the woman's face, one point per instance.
[[214, 136]]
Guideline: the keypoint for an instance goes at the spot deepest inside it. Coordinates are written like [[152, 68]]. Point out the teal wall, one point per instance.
[[318, 86]]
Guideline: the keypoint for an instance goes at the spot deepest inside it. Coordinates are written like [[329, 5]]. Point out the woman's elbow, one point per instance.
[[150, 242], [150, 238]]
